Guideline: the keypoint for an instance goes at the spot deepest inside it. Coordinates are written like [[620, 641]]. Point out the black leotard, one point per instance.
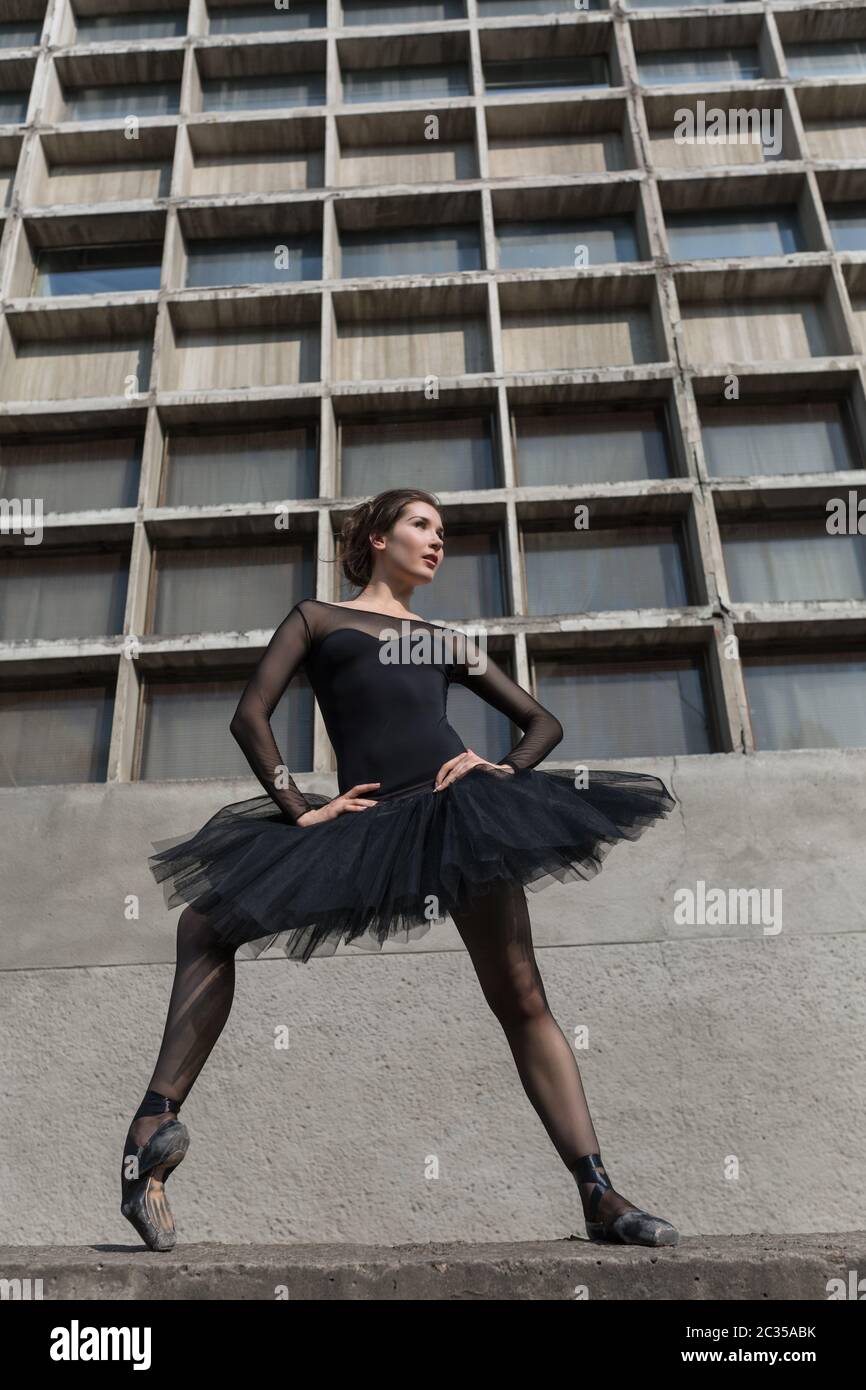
[[386, 721]]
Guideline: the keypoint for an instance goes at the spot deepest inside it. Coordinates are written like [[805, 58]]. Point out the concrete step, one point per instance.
[[813, 1267]]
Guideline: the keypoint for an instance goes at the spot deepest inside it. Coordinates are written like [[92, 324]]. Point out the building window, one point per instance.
[[185, 729], [55, 735], [50, 594], [826, 59], [542, 74], [742, 439], [604, 447], [283, 257], [770, 232], [227, 588], [490, 9], [240, 466], [603, 569], [410, 251], [157, 24], [258, 19], [437, 454], [529, 245], [254, 93], [792, 561], [667, 4], [13, 107], [406, 84], [807, 702], [20, 33], [627, 708], [104, 103], [401, 11], [848, 225], [670, 66], [98, 269], [73, 473]]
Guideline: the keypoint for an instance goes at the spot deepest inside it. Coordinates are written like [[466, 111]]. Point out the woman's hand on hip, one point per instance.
[[458, 767], [351, 800]]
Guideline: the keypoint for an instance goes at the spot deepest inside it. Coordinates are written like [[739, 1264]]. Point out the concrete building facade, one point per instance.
[[596, 277]]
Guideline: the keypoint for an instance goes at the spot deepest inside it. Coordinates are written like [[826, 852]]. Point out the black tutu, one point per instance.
[[390, 871]]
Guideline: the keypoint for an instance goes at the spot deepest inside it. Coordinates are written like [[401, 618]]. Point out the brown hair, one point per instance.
[[373, 517]]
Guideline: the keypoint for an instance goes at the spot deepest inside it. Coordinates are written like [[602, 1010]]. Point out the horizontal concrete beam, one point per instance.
[[751, 1267]]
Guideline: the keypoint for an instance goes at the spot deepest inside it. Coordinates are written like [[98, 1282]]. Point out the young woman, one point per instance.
[[422, 827]]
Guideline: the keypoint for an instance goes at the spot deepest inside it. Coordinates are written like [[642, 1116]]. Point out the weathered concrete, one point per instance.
[[719, 1060], [754, 1268]]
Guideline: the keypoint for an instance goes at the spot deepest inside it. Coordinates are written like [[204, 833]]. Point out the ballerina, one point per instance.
[[421, 828]]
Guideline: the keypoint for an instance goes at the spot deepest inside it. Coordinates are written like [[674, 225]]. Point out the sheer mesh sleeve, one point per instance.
[[250, 724], [542, 731]]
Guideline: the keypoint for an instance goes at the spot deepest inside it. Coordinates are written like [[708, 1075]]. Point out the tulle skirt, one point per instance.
[[392, 870]]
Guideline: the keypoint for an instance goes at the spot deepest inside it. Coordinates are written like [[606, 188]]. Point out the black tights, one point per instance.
[[200, 1003], [497, 934]]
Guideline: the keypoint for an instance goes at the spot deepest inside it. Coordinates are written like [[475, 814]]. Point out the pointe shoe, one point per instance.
[[632, 1227], [146, 1169]]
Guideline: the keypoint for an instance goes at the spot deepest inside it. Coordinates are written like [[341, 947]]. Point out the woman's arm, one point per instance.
[[250, 724], [542, 731]]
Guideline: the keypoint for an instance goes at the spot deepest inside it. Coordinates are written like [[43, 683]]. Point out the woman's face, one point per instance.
[[414, 546]]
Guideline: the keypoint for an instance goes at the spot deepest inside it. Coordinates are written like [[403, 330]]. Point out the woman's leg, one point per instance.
[[200, 1002], [497, 934]]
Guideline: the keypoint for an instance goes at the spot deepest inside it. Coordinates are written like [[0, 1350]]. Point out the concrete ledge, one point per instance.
[[797, 1267]]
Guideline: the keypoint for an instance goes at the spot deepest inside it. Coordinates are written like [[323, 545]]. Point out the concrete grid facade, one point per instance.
[[649, 332]]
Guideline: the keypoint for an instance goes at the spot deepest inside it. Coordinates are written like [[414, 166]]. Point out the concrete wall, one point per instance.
[[748, 332], [836, 139], [415, 164], [724, 1064]]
